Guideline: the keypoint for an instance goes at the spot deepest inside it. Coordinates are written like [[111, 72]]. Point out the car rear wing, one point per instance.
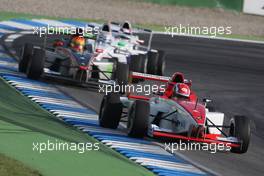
[[164, 79], [136, 29], [116, 26], [146, 76]]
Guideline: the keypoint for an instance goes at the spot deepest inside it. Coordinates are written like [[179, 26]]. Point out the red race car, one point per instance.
[[174, 113]]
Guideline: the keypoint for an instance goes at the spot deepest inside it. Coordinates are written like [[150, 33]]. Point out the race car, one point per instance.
[[116, 40], [174, 113], [71, 59]]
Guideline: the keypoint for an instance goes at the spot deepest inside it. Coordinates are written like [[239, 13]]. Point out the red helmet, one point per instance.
[[182, 89]]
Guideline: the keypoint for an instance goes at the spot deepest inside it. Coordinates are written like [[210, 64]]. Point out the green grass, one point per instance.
[[192, 3], [23, 123], [154, 27], [226, 4], [10, 167]]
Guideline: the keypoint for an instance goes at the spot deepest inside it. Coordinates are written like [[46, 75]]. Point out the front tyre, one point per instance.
[[138, 115], [122, 73], [161, 63], [136, 63], [144, 62], [36, 64], [240, 128], [152, 62], [26, 54], [110, 111]]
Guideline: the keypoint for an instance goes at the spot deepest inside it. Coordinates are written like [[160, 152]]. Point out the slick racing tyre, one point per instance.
[[138, 115], [36, 64], [122, 73], [240, 128], [110, 111], [136, 63], [161, 63], [25, 57], [144, 62], [81, 76], [95, 73], [152, 62]]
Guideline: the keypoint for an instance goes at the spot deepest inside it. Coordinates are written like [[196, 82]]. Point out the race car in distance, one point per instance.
[[71, 59], [176, 114], [116, 40]]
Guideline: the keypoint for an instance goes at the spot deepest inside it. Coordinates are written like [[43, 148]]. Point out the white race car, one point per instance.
[[119, 41]]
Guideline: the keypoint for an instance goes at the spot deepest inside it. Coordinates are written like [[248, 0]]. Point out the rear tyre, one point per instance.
[[144, 63], [110, 111], [26, 54], [136, 63], [81, 76], [36, 64], [152, 62], [95, 73], [161, 63], [138, 115], [122, 73], [240, 128]]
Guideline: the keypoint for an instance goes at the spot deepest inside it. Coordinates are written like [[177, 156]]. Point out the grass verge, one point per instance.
[[23, 123], [9, 167], [226, 4]]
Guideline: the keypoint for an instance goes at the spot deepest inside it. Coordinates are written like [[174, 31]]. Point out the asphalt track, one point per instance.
[[229, 73]]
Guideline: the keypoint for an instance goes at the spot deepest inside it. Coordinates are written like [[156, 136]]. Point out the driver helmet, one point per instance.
[[182, 90], [126, 28], [77, 43]]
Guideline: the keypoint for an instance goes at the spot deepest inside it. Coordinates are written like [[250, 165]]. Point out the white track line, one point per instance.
[[86, 128], [167, 165], [53, 23], [17, 25], [71, 113], [4, 55], [88, 116], [9, 64], [5, 31]]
